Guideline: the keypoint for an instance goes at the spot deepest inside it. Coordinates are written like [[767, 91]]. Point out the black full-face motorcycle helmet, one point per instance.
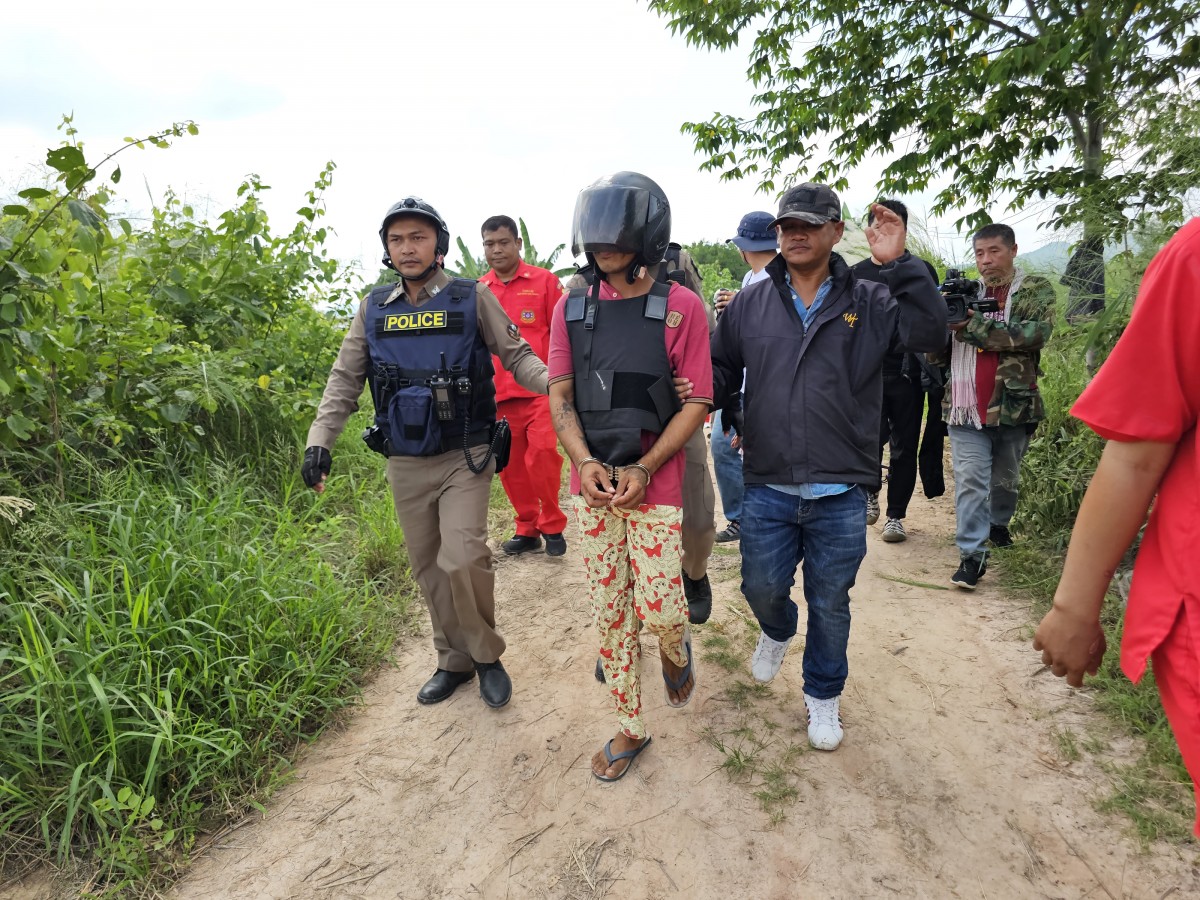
[[625, 211]]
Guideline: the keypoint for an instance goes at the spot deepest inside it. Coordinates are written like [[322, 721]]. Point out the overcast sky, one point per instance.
[[479, 107]]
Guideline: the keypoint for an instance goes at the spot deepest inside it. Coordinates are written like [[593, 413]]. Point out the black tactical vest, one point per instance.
[[623, 379], [419, 355]]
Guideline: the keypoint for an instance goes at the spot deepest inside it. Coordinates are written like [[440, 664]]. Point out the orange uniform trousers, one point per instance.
[[534, 472]]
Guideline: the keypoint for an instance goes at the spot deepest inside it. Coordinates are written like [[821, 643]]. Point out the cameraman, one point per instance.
[[992, 403]]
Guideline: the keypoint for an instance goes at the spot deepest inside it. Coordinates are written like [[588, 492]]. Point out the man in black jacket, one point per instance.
[[812, 340], [903, 406]]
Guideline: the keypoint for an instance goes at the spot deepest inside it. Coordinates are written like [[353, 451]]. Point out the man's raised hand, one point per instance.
[[885, 234]]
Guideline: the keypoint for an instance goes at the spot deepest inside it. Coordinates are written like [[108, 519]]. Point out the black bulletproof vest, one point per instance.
[[623, 378], [410, 348]]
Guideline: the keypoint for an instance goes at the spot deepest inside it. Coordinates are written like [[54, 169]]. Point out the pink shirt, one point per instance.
[[686, 338], [1149, 390]]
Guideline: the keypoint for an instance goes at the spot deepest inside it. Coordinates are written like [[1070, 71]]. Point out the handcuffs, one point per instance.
[[613, 472]]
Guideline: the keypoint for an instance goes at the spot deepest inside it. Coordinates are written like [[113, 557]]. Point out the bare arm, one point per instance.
[[1112, 511], [594, 483]]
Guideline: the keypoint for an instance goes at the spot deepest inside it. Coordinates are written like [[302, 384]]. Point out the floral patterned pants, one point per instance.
[[632, 557]]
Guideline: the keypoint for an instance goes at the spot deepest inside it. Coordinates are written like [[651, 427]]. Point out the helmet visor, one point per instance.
[[610, 217]]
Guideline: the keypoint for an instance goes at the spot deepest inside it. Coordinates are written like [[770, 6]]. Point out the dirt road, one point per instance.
[[949, 782]]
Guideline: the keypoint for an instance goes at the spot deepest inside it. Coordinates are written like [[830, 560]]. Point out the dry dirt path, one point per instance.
[[948, 783]]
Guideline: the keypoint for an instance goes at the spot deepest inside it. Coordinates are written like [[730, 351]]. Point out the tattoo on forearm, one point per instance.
[[565, 417]]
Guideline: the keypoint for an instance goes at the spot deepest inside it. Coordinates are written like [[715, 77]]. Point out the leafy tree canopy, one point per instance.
[[721, 256], [1091, 103]]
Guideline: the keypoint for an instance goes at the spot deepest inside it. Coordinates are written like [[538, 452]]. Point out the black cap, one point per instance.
[[755, 233], [812, 203]]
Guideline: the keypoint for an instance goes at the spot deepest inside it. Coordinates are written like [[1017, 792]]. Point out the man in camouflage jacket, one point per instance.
[[992, 402]]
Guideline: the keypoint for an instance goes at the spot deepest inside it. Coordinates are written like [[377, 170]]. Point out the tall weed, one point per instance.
[[167, 641]]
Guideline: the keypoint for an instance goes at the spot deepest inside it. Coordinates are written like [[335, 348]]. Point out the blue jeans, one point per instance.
[[987, 466], [829, 535], [727, 463]]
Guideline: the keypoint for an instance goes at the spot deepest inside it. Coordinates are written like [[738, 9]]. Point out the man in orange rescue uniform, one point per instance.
[[532, 477]]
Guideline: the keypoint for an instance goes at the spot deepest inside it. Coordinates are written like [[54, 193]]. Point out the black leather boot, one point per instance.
[[495, 687], [442, 685], [699, 599]]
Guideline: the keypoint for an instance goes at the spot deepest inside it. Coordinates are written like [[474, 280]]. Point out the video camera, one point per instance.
[[961, 294]]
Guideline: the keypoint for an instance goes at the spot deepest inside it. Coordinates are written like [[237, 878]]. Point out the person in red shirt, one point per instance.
[[534, 471], [614, 349], [1145, 401]]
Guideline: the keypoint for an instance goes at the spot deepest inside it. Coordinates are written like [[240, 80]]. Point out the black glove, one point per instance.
[[316, 463]]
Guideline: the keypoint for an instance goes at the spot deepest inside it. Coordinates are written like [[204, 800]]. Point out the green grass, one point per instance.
[[1066, 744], [929, 586], [169, 638], [753, 747]]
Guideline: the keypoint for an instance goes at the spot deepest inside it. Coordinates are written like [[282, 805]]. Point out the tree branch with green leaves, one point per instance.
[[1033, 99]]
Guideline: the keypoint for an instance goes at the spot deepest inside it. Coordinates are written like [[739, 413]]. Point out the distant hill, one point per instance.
[[1051, 257]]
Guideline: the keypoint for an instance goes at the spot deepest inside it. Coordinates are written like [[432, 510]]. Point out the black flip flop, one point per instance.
[[630, 755], [688, 672]]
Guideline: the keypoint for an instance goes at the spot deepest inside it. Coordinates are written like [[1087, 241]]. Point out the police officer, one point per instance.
[[425, 346], [699, 498]]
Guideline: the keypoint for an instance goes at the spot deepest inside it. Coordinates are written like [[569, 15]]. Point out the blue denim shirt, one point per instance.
[[807, 314]]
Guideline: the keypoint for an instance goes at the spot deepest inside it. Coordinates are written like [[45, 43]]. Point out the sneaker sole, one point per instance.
[[894, 538], [963, 585], [817, 746]]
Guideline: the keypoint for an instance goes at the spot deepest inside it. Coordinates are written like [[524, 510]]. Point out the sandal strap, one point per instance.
[[685, 674], [628, 754]]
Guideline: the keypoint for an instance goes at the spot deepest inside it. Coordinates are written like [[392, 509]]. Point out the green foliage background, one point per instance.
[[177, 612]]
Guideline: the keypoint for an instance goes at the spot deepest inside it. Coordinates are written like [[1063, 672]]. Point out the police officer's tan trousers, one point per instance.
[[699, 508], [442, 506]]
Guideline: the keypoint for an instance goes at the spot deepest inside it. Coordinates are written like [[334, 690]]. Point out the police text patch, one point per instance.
[[434, 318], [418, 322]]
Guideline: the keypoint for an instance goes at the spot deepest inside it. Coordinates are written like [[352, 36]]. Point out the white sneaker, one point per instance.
[[893, 531], [824, 722], [768, 657]]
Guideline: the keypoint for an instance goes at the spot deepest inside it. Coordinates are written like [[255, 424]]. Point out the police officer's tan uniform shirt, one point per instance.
[[349, 372]]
